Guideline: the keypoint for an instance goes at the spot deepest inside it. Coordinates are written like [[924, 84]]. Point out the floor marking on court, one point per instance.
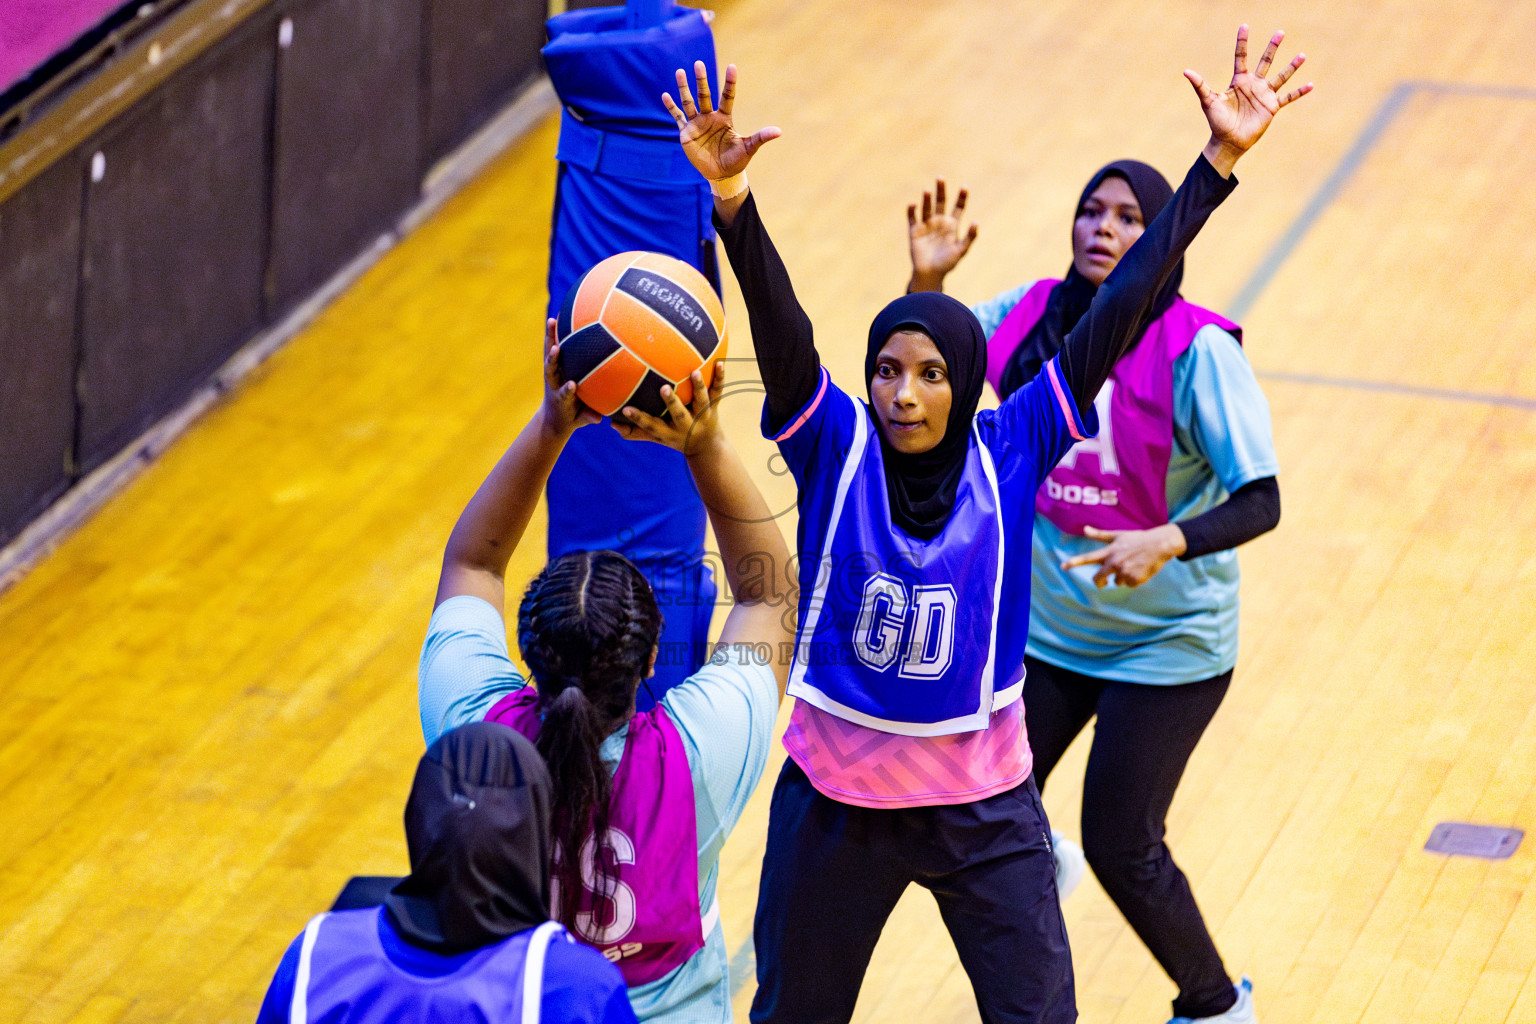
[[1446, 394], [1386, 113], [1464, 839]]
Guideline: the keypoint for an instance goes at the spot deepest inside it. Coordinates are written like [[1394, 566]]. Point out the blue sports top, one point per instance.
[[914, 637], [352, 967]]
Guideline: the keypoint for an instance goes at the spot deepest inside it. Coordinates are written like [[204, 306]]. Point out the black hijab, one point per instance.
[[1069, 300], [477, 827], [922, 487]]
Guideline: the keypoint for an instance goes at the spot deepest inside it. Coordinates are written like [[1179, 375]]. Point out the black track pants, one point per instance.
[[1141, 744], [832, 874]]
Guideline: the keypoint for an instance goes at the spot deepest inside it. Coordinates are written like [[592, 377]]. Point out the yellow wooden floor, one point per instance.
[[209, 690]]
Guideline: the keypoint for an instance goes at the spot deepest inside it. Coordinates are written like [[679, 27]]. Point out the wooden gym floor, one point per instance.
[[209, 692]]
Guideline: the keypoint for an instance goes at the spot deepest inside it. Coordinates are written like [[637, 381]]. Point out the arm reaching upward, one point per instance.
[[1237, 118], [781, 332], [751, 544], [935, 242], [708, 137], [491, 525]]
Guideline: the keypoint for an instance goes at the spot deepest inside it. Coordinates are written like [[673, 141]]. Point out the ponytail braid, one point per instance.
[[586, 627]]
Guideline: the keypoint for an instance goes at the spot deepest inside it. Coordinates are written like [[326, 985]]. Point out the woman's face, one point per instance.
[[1109, 222], [911, 393]]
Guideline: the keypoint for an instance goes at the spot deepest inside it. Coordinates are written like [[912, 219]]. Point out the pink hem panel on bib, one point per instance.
[[857, 765]]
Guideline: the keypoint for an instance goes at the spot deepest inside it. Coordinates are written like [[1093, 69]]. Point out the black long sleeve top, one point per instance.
[[791, 368], [786, 349], [1249, 511]]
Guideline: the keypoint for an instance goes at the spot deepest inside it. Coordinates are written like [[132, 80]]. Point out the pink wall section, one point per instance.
[[31, 31]]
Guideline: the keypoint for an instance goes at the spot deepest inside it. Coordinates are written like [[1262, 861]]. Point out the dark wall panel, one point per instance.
[[479, 52], [348, 138], [174, 233], [39, 264]]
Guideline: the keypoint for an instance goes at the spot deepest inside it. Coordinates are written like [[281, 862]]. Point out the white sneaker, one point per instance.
[[1070, 863], [1240, 1013]]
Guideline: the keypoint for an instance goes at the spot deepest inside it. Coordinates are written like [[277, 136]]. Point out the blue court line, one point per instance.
[[1480, 397], [1323, 198], [1386, 113]]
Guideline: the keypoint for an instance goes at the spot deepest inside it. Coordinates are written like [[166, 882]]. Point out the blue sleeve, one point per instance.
[[279, 998], [992, 312], [465, 667], [1220, 411], [1041, 421], [582, 987], [816, 439], [725, 712]]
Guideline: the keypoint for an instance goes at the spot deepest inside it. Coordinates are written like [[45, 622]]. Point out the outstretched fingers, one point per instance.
[[551, 356], [685, 95], [701, 79], [728, 90], [677, 115], [1087, 558], [938, 196], [682, 419], [705, 395], [755, 141], [642, 423], [1268, 57], [1207, 97], [1295, 94], [1240, 53], [959, 212], [1286, 72]]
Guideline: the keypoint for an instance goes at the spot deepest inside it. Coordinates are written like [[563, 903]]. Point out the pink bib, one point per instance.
[[1118, 479], [646, 920]]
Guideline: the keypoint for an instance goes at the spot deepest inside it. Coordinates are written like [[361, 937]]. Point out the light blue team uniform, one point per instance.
[[724, 712], [1181, 625]]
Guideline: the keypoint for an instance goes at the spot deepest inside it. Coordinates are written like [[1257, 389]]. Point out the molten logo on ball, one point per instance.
[[635, 323]]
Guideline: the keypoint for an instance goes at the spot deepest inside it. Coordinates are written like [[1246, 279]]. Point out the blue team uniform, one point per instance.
[[352, 967], [920, 638]]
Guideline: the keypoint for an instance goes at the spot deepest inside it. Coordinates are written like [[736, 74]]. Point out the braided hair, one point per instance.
[[587, 627]]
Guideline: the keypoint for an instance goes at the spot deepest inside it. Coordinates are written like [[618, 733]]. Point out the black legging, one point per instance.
[[1141, 743], [832, 874]]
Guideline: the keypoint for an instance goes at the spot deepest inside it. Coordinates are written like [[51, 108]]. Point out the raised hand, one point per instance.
[[563, 412], [935, 240], [1239, 116], [689, 431], [708, 135]]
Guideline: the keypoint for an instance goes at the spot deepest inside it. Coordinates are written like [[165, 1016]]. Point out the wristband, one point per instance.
[[729, 188]]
